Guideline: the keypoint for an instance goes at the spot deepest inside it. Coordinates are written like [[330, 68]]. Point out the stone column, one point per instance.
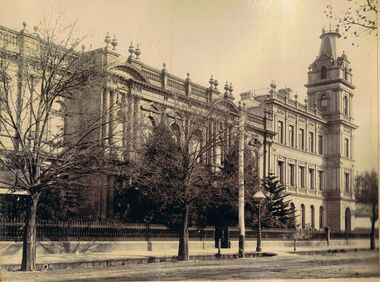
[[136, 122], [105, 113], [130, 114], [111, 121], [124, 119], [209, 140], [213, 140]]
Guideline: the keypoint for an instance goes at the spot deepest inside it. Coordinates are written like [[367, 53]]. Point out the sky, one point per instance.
[[246, 42]]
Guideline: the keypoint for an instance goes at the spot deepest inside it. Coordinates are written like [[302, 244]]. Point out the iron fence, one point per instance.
[[12, 230]]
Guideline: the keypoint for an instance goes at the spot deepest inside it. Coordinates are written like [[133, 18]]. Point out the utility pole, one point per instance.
[[241, 183]]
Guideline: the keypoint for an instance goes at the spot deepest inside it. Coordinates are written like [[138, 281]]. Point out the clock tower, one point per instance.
[[330, 89]]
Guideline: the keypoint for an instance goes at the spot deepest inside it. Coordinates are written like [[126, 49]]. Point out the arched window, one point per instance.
[[176, 131], [312, 215], [196, 146], [321, 215], [148, 126], [61, 116], [345, 105], [152, 121], [218, 146], [324, 100], [347, 220], [303, 216], [293, 215], [323, 72]]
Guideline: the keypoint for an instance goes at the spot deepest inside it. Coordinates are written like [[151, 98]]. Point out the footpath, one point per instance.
[[120, 256]]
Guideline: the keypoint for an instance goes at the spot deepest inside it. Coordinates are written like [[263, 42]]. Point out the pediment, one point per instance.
[[175, 114], [151, 107], [128, 71], [226, 105]]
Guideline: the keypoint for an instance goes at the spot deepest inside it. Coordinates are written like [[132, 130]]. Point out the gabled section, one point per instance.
[[226, 105], [128, 71]]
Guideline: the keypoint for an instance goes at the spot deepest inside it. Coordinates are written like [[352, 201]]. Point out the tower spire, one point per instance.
[[328, 43]]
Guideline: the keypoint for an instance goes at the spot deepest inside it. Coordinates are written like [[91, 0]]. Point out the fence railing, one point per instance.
[[12, 230]]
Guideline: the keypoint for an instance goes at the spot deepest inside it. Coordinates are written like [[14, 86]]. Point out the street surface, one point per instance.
[[284, 266]]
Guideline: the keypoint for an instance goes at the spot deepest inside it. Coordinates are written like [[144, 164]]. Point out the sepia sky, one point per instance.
[[246, 42]]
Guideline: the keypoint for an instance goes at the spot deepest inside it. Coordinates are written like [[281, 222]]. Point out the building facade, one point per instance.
[[312, 152], [309, 145]]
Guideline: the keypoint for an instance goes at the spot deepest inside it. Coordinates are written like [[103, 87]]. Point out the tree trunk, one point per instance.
[[183, 248], [29, 236], [373, 235]]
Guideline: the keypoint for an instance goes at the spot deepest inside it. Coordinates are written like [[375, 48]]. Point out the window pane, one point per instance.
[[280, 132], [320, 144]]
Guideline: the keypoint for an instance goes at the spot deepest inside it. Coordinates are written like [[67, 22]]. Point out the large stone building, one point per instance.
[[313, 149], [309, 145]]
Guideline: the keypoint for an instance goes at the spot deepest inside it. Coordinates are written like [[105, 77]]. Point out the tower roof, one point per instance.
[[328, 43]]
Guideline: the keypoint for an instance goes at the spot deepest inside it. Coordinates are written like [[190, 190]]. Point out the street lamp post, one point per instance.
[[258, 197], [265, 144]]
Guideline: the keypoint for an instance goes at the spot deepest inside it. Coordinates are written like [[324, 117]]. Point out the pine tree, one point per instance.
[[280, 212]]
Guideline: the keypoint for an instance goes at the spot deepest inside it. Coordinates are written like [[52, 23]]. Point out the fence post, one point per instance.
[[327, 233], [147, 238]]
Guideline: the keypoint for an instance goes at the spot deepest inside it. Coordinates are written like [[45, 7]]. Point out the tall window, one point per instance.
[[280, 128], [292, 175], [291, 135], [302, 176], [320, 144], [301, 139], [303, 216], [345, 105], [323, 73], [312, 215], [346, 73], [195, 149], [150, 123], [321, 215], [280, 168], [311, 142], [346, 148], [324, 102], [347, 220], [320, 180], [347, 182], [311, 178], [176, 132], [293, 210]]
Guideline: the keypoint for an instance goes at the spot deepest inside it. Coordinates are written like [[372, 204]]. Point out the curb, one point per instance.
[[332, 251], [129, 261]]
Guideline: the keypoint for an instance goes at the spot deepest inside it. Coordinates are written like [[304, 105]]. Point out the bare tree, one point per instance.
[[177, 161], [367, 191], [359, 18], [37, 151]]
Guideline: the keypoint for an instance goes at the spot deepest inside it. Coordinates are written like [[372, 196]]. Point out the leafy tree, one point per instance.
[[52, 205], [221, 208], [38, 154], [143, 200], [367, 191]]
